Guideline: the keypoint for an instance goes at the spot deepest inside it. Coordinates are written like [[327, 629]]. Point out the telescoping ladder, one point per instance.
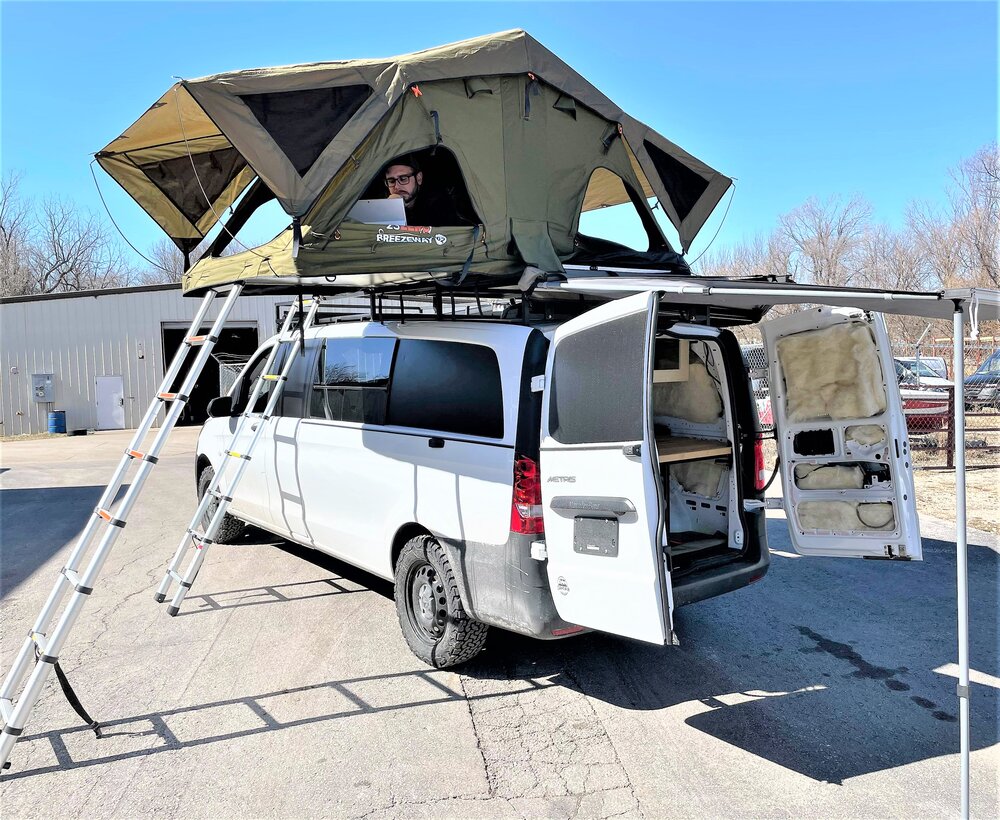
[[44, 644]]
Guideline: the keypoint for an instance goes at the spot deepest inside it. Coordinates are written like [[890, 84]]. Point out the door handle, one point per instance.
[[436, 443], [596, 505]]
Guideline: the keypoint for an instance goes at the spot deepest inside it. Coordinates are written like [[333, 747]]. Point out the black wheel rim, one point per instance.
[[426, 603]]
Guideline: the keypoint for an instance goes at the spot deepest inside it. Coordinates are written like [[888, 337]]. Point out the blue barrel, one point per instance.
[[57, 421]]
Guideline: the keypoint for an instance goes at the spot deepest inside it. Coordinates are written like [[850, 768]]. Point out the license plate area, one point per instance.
[[595, 536]]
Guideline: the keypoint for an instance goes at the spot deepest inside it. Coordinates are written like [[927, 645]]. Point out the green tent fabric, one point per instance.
[[530, 142]]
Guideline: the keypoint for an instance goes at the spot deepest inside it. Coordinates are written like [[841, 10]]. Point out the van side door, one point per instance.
[[845, 458], [602, 502]]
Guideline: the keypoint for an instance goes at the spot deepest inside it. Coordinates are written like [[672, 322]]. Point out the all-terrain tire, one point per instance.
[[435, 624], [231, 528]]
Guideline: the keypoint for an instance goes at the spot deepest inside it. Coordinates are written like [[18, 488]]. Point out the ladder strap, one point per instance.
[[114, 522], [77, 586], [74, 701], [143, 456]]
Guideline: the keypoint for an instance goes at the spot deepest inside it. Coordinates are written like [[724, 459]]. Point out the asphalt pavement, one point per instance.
[[284, 687]]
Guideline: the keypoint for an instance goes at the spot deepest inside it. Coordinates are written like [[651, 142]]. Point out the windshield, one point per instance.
[[921, 369], [991, 365]]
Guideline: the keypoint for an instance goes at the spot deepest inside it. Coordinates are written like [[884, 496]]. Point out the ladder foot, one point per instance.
[[173, 610], [159, 597]]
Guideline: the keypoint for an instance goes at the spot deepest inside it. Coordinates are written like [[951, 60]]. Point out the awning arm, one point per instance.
[[962, 552]]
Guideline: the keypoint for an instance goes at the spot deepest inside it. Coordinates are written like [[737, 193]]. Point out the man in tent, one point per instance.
[[425, 205]]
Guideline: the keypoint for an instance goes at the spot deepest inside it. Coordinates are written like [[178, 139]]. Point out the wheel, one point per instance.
[[231, 528], [430, 611]]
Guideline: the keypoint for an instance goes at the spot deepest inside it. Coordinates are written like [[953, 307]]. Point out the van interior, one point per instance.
[[693, 423]]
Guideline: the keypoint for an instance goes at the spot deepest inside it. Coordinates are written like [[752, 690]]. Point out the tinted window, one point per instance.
[[597, 383], [447, 386], [352, 380]]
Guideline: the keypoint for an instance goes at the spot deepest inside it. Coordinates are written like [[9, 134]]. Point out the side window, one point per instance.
[[251, 373], [447, 386], [597, 383], [352, 380]]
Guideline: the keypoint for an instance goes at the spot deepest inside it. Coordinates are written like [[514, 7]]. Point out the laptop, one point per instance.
[[379, 212]]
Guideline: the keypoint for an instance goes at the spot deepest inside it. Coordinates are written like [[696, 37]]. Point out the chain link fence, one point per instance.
[[927, 393]]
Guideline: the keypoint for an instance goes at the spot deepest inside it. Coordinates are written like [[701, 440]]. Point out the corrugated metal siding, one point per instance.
[[80, 338]]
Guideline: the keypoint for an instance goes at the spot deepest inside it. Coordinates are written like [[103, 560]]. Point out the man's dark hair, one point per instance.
[[405, 159]]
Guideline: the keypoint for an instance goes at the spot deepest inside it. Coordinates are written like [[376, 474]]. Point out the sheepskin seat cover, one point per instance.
[[832, 477], [696, 400], [833, 373], [837, 516]]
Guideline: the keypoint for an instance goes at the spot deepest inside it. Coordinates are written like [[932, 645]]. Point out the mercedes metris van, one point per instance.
[[586, 470]]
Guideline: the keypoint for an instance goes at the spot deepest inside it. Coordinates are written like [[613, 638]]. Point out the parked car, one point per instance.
[[937, 365], [921, 374], [926, 401], [589, 470], [982, 388]]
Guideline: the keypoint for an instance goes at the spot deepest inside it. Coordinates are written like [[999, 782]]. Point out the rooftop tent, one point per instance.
[[528, 141]]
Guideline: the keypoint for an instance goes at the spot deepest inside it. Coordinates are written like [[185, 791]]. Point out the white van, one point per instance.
[[591, 467]]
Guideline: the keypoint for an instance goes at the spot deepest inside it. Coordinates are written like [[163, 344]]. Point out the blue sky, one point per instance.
[[794, 99]]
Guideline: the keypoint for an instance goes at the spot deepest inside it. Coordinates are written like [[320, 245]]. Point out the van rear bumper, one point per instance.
[[502, 585]]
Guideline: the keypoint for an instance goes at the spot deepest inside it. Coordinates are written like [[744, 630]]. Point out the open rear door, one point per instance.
[[601, 494], [841, 434]]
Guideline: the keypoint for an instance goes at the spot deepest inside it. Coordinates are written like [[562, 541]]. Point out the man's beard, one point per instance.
[[409, 199]]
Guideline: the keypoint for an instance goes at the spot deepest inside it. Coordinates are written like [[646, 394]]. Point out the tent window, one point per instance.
[[612, 215], [186, 180], [684, 186], [303, 123]]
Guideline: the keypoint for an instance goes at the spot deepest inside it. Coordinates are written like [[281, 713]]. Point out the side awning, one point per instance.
[[978, 304]]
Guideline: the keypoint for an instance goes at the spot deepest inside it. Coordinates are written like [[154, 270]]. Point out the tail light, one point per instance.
[[526, 507], [759, 468]]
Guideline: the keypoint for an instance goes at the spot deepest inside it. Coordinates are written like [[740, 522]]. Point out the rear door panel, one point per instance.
[[601, 498], [841, 434]]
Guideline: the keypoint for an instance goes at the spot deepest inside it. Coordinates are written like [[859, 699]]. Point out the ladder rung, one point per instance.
[[237, 455], [107, 516], [172, 397], [273, 377], [176, 576], [143, 456], [6, 709], [74, 578], [200, 340], [199, 539], [41, 641], [218, 494]]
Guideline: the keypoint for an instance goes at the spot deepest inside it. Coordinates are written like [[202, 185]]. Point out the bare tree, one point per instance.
[[825, 237], [72, 250], [975, 204], [15, 216]]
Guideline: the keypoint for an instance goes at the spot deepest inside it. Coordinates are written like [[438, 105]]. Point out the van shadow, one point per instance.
[[37, 522], [830, 688]]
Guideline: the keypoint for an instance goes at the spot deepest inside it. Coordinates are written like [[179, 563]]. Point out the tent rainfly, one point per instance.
[[521, 139]]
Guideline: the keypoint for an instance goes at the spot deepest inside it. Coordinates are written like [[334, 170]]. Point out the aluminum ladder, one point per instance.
[[103, 528]]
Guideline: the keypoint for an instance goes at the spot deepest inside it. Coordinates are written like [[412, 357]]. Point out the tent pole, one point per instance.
[[962, 553]]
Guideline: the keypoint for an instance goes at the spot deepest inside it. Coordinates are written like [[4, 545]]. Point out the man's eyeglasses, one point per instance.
[[402, 179]]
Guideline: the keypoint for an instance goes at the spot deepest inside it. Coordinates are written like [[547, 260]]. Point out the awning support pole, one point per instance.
[[962, 553]]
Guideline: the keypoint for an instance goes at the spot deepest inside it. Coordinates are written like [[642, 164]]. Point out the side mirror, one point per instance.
[[222, 407]]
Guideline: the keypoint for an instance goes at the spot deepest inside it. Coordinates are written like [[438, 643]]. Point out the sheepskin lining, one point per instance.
[[699, 477], [832, 373], [865, 434], [838, 516], [829, 477], [695, 400]]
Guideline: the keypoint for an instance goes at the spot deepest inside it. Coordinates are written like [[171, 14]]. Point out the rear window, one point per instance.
[[352, 380], [447, 386]]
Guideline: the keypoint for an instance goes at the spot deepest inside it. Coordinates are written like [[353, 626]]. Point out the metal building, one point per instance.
[[100, 355]]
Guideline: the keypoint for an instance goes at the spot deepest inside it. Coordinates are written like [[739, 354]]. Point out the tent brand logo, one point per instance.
[[384, 236], [440, 238]]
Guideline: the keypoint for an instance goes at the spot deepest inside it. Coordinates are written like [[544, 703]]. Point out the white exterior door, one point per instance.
[[110, 392], [845, 457], [601, 497]]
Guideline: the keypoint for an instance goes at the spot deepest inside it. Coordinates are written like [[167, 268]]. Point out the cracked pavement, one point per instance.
[[284, 689]]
